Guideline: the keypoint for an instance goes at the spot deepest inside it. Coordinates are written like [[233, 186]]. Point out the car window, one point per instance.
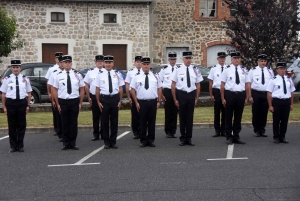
[[26, 72], [40, 71]]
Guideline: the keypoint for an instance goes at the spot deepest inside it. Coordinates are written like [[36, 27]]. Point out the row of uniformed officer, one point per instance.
[[68, 94], [109, 92], [90, 91], [16, 95]]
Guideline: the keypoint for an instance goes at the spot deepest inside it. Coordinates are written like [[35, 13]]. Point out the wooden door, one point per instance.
[[48, 51], [120, 55]]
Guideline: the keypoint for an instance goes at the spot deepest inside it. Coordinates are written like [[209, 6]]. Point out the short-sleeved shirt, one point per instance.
[[255, 77], [138, 83], [53, 76], [90, 77], [215, 75], [9, 86], [131, 74], [276, 87], [60, 82], [228, 76], [165, 76], [50, 71], [179, 76], [102, 82]]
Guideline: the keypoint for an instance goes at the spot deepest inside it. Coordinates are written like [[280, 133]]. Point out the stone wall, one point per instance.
[[84, 29]]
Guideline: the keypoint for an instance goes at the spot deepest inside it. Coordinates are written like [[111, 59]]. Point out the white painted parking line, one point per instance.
[[81, 161], [4, 137], [229, 155]]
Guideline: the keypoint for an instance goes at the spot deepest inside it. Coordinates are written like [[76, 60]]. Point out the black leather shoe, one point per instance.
[[257, 134], [263, 135], [12, 150], [181, 143], [229, 142], [61, 140], [284, 141], [190, 143], [174, 136], [142, 145], [136, 137], [169, 135], [74, 147], [238, 142], [223, 134], [276, 141], [216, 135], [151, 144], [113, 146], [21, 149], [64, 148], [95, 138], [55, 134], [106, 146]]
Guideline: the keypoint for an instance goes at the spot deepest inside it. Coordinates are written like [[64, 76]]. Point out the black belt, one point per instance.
[[259, 91], [10, 99], [166, 89], [216, 89], [282, 99], [235, 92], [68, 99], [181, 91], [155, 99], [108, 96]]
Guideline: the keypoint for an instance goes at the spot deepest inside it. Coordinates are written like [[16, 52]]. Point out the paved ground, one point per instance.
[[166, 172]]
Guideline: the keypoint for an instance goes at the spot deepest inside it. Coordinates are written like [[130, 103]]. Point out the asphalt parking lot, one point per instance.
[[211, 170]]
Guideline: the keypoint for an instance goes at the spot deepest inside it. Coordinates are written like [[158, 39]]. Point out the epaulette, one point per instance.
[[228, 66], [100, 71], [137, 73], [8, 76], [54, 71], [131, 69], [274, 77], [195, 67], [254, 68], [165, 67], [268, 67], [214, 66], [60, 72], [116, 71], [91, 69], [24, 76]]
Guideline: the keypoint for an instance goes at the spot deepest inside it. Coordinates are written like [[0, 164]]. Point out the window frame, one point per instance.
[[208, 10], [57, 17], [221, 11], [110, 15]]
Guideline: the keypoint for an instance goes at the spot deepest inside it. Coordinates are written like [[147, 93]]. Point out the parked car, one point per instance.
[[36, 73], [293, 71]]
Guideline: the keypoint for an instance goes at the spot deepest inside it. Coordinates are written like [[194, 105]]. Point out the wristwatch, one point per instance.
[[121, 101]]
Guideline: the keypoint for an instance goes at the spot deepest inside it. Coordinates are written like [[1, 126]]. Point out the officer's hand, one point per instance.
[[130, 101], [251, 100], [176, 103], [49, 96], [271, 109], [100, 106], [5, 110], [90, 101], [157, 105], [196, 102], [246, 101], [224, 102], [138, 107], [119, 105], [53, 104], [164, 98], [291, 107], [27, 109], [58, 108], [212, 98], [79, 107]]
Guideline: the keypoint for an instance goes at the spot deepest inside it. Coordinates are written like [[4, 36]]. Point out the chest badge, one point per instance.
[[141, 84], [181, 79], [217, 75], [278, 87], [257, 79], [230, 78]]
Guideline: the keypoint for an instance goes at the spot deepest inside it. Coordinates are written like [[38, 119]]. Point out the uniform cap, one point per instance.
[[67, 58], [221, 54], [235, 54], [57, 54], [187, 54], [15, 62], [138, 58], [172, 55], [99, 57], [60, 58], [281, 64], [146, 60], [262, 56], [108, 58]]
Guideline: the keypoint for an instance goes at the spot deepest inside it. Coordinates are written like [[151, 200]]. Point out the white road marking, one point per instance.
[[80, 162], [4, 137], [229, 155]]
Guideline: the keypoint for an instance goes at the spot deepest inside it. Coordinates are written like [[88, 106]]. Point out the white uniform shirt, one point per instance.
[[50, 71], [275, 86], [215, 75], [101, 81], [90, 77], [131, 74], [165, 76], [179, 76], [60, 82], [228, 76], [9, 86], [255, 77], [138, 83], [53, 76]]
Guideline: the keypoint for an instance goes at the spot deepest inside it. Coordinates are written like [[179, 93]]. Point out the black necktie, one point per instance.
[[109, 83], [222, 69], [237, 78], [69, 88], [284, 85], [138, 71], [146, 81], [262, 76], [188, 79], [17, 89], [172, 68]]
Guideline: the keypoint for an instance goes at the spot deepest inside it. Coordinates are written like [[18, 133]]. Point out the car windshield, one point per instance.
[[203, 70]]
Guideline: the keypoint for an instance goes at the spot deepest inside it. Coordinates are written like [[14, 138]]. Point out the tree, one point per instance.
[[8, 34], [263, 26]]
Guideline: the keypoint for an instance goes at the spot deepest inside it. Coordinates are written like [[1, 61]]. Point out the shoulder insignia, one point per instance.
[[24, 76], [54, 71], [268, 67], [254, 68], [214, 66], [228, 66], [274, 77], [91, 69], [60, 72], [8, 76], [131, 69], [100, 71], [165, 67]]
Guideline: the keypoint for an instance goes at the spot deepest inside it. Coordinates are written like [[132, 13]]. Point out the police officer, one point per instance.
[[186, 91], [146, 93], [280, 98], [259, 78], [171, 110], [48, 74], [16, 95], [109, 93], [234, 97], [134, 113], [90, 91], [215, 95], [68, 95]]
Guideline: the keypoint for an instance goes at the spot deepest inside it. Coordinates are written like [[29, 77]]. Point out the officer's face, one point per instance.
[[172, 62], [109, 65], [99, 63], [67, 65], [15, 69], [61, 65], [262, 62], [236, 61], [281, 71], [138, 63], [187, 61], [221, 60], [146, 67]]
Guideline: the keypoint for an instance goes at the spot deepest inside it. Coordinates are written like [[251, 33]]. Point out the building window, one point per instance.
[[57, 17], [110, 18], [208, 8]]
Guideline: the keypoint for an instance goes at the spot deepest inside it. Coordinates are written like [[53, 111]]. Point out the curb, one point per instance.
[[36, 130]]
